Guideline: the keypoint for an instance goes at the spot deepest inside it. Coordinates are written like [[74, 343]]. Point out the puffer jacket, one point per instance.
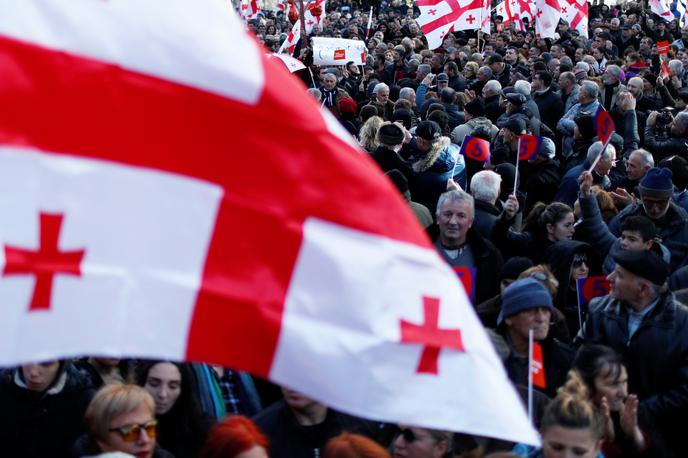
[[433, 169]]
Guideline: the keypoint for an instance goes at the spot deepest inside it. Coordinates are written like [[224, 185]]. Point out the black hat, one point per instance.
[[586, 126], [643, 263], [442, 77], [494, 58], [516, 125], [515, 98], [475, 107], [403, 116], [390, 134], [398, 179], [657, 184], [514, 267], [429, 130]]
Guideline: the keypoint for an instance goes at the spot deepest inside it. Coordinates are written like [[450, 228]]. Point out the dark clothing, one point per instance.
[[550, 106], [512, 243], [487, 261], [289, 439], [86, 447], [656, 357], [486, 215], [557, 358], [539, 182], [672, 228], [42, 425], [661, 148], [389, 159], [492, 109]]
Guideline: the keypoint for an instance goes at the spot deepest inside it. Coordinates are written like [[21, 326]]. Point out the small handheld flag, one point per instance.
[[604, 125], [476, 148], [528, 147]]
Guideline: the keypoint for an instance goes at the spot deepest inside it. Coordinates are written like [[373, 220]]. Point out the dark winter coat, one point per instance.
[[551, 107], [656, 358], [42, 425]]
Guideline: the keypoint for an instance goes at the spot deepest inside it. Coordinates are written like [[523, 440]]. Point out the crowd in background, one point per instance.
[[615, 379]]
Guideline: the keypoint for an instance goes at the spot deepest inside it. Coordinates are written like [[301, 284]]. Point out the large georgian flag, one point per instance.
[[440, 17], [168, 191], [547, 15]]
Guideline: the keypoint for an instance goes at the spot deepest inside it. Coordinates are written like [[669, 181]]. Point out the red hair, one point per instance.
[[348, 445], [232, 436]]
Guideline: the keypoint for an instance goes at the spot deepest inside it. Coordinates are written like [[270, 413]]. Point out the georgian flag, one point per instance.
[[548, 13], [440, 17], [168, 191], [660, 8], [575, 12], [510, 11]]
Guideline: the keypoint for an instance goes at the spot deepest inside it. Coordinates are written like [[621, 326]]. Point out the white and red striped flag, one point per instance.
[[249, 9], [154, 207], [575, 12], [289, 44], [440, 17], [548, 13], [310, 21], [510, 11]]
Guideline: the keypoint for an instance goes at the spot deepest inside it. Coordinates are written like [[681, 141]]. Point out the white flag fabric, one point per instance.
[[338, 51], [575, 12], [547, 18], [152, 208], [509, 10], [289, 44], [660, 8], [292, 64]]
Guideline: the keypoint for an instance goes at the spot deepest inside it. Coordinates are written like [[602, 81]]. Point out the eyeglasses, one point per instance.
[[408, 435], [579, 260], [132, 433]]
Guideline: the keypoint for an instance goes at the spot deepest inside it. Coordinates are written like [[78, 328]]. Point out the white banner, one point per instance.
[[337, 51]]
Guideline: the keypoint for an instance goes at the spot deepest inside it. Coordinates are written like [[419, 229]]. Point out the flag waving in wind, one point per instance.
[[547, 15], [147, 212], [439, 17]]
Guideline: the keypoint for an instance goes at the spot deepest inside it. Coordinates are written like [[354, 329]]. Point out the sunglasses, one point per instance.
[[408, 435], [132, 433], [579, 260]]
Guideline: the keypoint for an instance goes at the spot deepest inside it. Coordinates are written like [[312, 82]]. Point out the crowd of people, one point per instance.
[[615, 369]]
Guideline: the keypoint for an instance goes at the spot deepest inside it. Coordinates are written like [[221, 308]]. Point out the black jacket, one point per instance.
[[550, 106], [43, 425], [661, 148], [485, 218], [656, 358], [539, 182], [289, 439]]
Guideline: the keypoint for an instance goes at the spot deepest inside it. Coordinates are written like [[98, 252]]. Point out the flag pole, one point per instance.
[[518, 157], [312, 78], [370, 23], [530, 375]]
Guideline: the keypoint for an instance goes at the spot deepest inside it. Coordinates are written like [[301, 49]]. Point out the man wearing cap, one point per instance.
[[462, 246], [506, 146], [527, 305], [433, 160], [474, 114], [391, 137], [501, 70], [516, 105], [656, 192], [642, 321]]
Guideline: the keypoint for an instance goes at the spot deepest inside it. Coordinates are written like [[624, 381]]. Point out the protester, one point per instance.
[[235, 437]]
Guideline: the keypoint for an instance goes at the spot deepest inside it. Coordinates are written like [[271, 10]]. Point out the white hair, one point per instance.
[[407, 93], [522, 87], [379, 87], [582, 66], [591, 88], [494, 86], [645, 156], [455, 196], [676, 65], [594, 151], [485, 186]]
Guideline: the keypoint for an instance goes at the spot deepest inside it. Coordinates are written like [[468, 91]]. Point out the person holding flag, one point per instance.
[[540, 175], [527, 306]]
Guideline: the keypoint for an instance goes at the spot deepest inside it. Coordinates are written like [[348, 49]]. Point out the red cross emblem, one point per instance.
[[44, 263], [539, 13], [432, 12], [563, 9], [310, 22], [470, 19], [430, 336]]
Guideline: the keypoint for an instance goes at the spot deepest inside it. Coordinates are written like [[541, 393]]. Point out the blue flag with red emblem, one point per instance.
[[528, 147], [476, 148]]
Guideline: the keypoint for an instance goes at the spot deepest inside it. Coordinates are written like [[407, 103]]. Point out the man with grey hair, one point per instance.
[[675, 143], [569, 90], [612, 86], [587, 102], [639, 162], [485, 188], [463, 247], [568, 189], [381, 96], [524, 87], [491, 93]]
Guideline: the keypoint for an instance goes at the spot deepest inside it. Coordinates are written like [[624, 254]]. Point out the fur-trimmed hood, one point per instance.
[[430, 158]]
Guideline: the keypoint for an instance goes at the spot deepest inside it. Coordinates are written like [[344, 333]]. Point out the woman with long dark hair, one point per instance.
[[182, 426]]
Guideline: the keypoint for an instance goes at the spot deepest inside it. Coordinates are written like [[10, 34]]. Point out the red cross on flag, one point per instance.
[[548, 13], [510, 10], [187, 200], [660, 8], [292, 64], [439, 17], [249, 9], [575, 12]]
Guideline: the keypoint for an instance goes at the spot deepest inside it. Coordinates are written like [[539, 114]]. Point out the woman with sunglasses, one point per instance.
[[183, 427], [121, 418], [412, 442]]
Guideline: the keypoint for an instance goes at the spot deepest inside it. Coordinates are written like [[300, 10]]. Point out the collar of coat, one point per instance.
[[429, 159]]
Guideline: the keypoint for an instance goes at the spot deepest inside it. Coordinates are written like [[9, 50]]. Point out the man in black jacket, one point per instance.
[[549, 102], [676, 143], [642, 321]]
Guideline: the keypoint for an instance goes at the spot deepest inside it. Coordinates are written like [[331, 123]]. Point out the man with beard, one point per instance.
[[612, 86]]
